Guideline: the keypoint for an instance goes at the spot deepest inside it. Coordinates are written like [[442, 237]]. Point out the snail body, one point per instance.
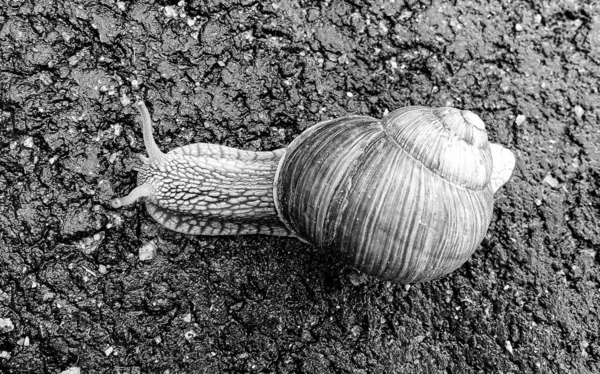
[[407, 198]]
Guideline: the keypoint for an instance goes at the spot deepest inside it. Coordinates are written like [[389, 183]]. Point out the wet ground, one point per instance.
[[253, 75]]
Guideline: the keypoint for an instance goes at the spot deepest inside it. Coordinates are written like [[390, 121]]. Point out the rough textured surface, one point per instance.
[[253, 75], [201, 189]]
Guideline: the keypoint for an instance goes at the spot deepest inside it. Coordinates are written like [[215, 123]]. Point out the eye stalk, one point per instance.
[[154, 153], [155, 157], [145, 190]]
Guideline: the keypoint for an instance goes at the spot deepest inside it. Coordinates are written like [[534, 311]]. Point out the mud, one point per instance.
[[253, 75]]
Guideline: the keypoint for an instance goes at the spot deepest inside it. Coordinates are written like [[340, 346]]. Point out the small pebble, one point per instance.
[[90, 244], [520, 119], [382, 28], [188, 318], [28, 142], [170, 12], [5, 355], [356, 278], [148, 251], [519, 27], [418, 339], [113, 157], [190, 335], [109, 351], [102, 269], [509, 347], [6, 325], [584, 344], [551, 181], [125, 101], [578, 112]]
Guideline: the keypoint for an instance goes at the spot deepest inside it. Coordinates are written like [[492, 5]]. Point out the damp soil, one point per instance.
[[254, 75]]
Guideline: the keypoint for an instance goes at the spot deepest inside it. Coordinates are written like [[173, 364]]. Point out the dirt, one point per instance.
[[253, 75]]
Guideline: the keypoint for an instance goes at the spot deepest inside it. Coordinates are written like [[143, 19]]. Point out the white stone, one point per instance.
[[148, 251]]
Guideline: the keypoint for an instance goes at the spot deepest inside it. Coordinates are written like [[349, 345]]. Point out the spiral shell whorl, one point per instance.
[[451, 142]]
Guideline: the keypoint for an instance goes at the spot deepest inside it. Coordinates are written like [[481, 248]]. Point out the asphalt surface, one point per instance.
[[254, 75]]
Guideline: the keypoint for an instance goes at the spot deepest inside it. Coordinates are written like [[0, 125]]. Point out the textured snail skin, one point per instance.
[[407, 198], [207, 189]]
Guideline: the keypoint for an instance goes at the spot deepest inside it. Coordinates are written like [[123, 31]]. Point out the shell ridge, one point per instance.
[[295, 173], [323, 214], [468, 132], [336, 128], [389, 251], [433, 171], [420, 252], [407, 220], [365, 235], [347, 189]]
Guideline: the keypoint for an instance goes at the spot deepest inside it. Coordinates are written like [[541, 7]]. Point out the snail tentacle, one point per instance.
[[144, 190], [154, 153]]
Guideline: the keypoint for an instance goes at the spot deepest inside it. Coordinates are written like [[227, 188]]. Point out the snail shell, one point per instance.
[[407, 198]]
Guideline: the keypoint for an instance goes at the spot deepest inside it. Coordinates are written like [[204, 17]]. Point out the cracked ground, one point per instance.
[[254, 75]]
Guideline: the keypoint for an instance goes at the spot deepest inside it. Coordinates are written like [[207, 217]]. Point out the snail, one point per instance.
[[407, 198]]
